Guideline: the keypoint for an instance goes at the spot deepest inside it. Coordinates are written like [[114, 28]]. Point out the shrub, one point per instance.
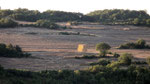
[[89, 56], [125, 59], [1, 68], [128, 46], [148, 60], [12, 51], [114, 64], [140, 44], [139, 62], [64, 33], [116, 55], [98, 68], [102, 48], [46, 24], [103, 62], [4, 22], [1, 71], [86, 57]]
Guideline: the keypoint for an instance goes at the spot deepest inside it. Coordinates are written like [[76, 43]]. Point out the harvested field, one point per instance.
[[50, 49]]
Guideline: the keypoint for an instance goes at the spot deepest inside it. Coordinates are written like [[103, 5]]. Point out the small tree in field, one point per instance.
[[102, 48]]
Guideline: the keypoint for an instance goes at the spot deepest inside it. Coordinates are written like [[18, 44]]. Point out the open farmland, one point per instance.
[[50, 49]]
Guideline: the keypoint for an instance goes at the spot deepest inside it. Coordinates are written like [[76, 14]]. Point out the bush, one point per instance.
[[148, 60], [87, 57], [128, 46], [46, 24], [4, 22], [114, 64], [139, 62], [43, 24], [98, 68], [1, 68], [140, 44], [125, 59], [103, 62], [116, 55], [12, 51]]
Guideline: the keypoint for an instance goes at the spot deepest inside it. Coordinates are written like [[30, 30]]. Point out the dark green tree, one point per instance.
[[102, 48]]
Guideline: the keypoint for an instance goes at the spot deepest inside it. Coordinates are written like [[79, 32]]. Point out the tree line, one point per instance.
[[97, 74], [34, 15], [7, 22], [120, 16], [113, 16]]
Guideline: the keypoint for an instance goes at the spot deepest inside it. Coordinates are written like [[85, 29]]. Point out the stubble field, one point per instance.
[[53, 51]]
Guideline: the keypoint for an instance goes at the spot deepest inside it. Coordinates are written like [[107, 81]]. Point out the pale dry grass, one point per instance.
[[49, 49]]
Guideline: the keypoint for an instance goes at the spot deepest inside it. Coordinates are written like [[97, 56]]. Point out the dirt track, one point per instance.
[[49, 49]]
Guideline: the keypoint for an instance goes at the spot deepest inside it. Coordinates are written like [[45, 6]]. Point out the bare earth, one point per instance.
[[51, 51]]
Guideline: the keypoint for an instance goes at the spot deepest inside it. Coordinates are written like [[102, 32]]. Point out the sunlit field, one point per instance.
[[52, 50]]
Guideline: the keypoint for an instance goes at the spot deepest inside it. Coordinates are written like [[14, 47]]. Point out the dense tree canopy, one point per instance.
[[34, 15], [5, 22], [120, 16], [97, 74], [114, 16]]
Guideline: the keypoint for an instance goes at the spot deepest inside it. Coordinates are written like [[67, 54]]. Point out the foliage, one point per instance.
[[114, 16], [4, 22], [34, 15], [125, 59], [25, 15], [46, 24], [140, 44], [120, 16], [114, 64], [98, 68], [12, 51], [102, 48], [139, 62], [128, 46], [93, 75], [148, 60], [116, 55], [1, 68], [43, 24], [101, 62], [69, 33], [87, 57]]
